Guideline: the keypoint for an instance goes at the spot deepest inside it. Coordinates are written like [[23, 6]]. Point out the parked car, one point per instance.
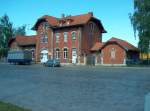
[[52, 63]]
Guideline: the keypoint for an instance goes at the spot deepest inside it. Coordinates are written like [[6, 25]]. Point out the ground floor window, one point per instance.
[[65, 53], [57, 53]]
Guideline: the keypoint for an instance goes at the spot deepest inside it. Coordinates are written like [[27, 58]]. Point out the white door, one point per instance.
[[44, 56], [74, 56]]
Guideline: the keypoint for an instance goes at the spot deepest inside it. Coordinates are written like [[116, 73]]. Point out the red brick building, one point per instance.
[[115, 52], [69, 38]]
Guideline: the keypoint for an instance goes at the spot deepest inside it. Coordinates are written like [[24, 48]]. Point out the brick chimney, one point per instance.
[[91, 13]]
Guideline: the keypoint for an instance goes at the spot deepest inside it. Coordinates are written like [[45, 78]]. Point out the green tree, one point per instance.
[[20, 30], [7, 31], [140, 20]]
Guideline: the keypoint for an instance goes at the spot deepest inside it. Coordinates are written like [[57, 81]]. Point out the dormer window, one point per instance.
[[60, 24], [68, 22]]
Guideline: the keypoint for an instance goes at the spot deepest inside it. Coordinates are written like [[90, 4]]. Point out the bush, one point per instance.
[[3, 52], [145, 62]]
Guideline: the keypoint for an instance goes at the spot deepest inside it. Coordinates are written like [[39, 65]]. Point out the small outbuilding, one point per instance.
[[115, 52], [119, 52]]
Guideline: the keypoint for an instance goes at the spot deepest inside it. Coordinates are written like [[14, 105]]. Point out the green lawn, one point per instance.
[[10, 107]]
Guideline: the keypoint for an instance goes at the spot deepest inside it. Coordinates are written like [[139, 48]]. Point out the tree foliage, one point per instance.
[[7, 31], [140, 20], [20, 30]]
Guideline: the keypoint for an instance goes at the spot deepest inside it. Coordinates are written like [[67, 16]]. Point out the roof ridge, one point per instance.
[[121, 40], [66, 16], [124, 41]]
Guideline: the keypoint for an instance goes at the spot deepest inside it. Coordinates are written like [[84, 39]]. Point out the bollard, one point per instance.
[[147, 102]]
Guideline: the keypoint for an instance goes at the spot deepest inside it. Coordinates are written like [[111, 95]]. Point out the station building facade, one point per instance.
[[74, 39], [68, 38]]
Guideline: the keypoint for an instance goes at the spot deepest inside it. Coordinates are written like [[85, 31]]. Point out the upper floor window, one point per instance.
[[91, 28], [57, 37], [44, 38], [65, 36], [65, 53], [45, 26], [73, 35]]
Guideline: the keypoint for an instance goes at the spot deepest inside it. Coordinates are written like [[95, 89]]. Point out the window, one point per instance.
[[65, 53], [44, 38], [57, 37], [91, 26], [57, 53], [73, 35], [113, 53], [68, 22], [45, 26], [65, 36]]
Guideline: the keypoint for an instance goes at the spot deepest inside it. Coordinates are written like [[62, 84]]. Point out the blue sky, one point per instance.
[[112, 13]]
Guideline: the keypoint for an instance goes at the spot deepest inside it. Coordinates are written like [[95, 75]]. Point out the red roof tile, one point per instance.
[[26, 40], [79, 19], [126, 45], [74, 20], [51, 20], [97, 46]]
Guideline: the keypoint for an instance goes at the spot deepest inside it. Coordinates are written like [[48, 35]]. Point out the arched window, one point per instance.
[[91, 28], [44, 55], [113, 53], [57, 53], [73, 35], [65, 53]]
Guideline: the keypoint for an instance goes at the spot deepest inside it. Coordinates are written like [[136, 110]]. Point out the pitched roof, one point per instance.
[[97, 46], [75, 20], [78, 19], [124, 44], [25, 40]]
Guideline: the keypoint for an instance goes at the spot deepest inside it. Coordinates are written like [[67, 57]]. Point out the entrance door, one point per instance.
[[44, 56], [90, 59], [74, 55]]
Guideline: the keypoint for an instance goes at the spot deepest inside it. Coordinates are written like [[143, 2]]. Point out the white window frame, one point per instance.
[[65, 36], [74, 38], [113, 53], [57, 37], [65, 53], [57, 53]]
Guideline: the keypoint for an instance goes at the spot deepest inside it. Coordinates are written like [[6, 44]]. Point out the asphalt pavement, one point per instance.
[[74, 88]]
